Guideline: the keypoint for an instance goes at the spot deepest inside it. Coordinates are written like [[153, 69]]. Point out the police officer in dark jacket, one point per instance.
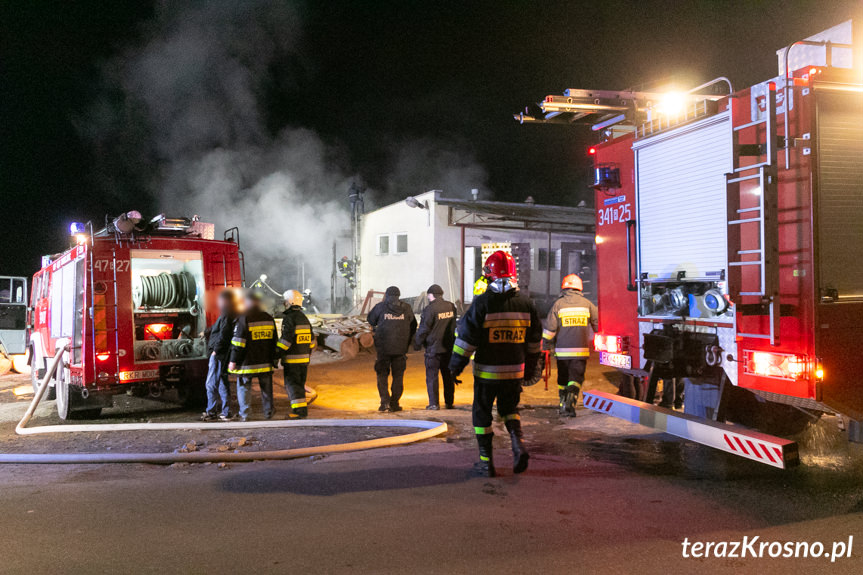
[[394, 324], [437, 334], [503, 329], [568, 328], [253, 351], [218, 349], [295, 345]]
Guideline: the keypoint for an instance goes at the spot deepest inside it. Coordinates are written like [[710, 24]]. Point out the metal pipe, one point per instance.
[[711, 82]]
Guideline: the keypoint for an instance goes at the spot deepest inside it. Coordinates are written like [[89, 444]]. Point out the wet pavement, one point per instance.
[[601, 494]]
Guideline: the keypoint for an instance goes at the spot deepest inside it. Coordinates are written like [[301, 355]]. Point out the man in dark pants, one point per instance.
[[218, 348], [253, 352], [295, 345], [394, 324], [437, 334], [568, 328], [503, 328]]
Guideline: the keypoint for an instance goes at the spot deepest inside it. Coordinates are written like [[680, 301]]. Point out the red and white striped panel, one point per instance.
[[734, 439]]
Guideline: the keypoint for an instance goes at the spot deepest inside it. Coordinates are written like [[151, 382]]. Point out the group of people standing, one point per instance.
[[243, 342], [500, 331], [502, 334]]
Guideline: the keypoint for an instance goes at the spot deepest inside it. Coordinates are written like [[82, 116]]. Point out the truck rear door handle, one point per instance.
[[630, 285]]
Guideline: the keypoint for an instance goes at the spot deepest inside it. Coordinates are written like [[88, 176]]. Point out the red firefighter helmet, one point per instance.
[[572, 281], [500, 265]]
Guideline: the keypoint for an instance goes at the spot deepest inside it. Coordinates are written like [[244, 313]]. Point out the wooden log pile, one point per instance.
[[343, 334]]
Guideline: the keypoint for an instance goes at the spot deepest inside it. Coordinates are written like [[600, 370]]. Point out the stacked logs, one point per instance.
[[342, 334]]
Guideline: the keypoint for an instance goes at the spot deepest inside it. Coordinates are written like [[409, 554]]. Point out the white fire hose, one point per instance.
[[427, 429]]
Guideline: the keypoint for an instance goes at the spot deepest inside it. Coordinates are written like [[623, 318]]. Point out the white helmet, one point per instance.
[[293, 297]]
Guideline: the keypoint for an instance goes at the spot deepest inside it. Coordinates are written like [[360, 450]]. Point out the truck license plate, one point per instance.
[[615, 360]]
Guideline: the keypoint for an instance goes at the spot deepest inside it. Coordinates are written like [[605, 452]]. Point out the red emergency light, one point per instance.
[[103, 356], [591, 151]]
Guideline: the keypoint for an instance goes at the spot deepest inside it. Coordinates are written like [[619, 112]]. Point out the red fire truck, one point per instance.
[[729, 248], [131, 301]]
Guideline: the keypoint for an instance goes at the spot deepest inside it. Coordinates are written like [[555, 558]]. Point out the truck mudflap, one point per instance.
[[740, 441]]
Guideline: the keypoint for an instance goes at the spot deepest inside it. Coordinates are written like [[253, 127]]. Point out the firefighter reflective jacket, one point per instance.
[[395, 325], [568, 325], [253, 347], [506, 334], [437, 327], [297, 340]]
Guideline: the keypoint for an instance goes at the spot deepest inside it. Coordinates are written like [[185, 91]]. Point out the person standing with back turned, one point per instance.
[[503, 328], [568, 328], [253, 351], [437, 335], [295, 346], [394, 324]]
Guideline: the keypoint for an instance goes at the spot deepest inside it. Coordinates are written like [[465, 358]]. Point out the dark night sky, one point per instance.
[[368, 75]]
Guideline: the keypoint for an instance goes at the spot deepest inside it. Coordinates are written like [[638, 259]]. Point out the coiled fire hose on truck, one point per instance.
[[427, 429]]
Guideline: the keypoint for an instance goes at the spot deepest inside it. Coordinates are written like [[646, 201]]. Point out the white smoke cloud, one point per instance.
[[185, 111]]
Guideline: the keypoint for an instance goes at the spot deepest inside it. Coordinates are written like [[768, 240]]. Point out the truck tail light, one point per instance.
[[610, 343], [777, 365], [599, 342], [591, 151], [103, 356]]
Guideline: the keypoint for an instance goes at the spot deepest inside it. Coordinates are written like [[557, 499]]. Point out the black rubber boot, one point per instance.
[[299, 413], [561, 393], [520, 455], [485, 466], [569, 400]]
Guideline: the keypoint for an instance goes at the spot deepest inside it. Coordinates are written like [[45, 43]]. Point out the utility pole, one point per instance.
[[355, 196]]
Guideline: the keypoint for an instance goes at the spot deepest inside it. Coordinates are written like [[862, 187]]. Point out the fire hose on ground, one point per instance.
[[427, 429]]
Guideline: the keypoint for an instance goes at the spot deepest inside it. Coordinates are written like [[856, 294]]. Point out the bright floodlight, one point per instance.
[[413, 202], [673, 104]]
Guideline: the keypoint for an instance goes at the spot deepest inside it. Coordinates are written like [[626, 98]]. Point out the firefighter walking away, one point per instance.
[[503, 330], [253, 351], [295, 346], [568, 331]]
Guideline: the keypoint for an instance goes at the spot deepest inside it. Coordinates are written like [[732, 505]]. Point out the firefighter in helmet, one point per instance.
[[295, 345], [253, 351], [347, 269], [568, 331], [503, 328]]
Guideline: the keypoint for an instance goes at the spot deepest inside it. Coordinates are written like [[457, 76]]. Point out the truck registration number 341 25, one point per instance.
[[614, 214]]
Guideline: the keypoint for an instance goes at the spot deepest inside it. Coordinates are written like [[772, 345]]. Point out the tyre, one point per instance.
[[86, 413], [63, 391], [779, 419], [36, 375]]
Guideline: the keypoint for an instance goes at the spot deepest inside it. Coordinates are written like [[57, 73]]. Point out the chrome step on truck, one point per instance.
[[733, 439]]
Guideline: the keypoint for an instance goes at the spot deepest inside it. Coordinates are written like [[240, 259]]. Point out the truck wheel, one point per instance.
[[36, 375], [61, 388], [766, 416], [86, 413]]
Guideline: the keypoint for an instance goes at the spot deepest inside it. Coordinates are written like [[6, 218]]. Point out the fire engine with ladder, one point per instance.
[[130, 302], [729, 248]]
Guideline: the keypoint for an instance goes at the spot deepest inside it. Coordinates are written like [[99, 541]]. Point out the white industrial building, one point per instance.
[[428, 239]]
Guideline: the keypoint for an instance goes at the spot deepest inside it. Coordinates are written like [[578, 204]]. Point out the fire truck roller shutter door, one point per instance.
[[686, 168]]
